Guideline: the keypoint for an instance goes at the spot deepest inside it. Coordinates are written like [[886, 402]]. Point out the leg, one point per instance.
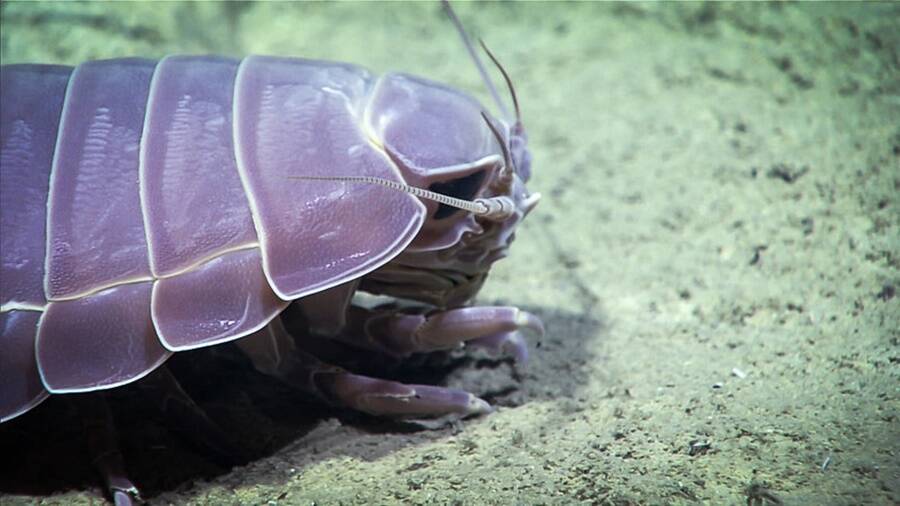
[[183, 415], [273, 352], [497, 329], [326, 311], [103, 446]]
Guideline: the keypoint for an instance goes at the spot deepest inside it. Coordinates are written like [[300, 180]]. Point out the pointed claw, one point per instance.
[[478, 406], [526, 320]]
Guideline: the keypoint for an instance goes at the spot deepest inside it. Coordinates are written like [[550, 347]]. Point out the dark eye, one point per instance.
[[463, 188]]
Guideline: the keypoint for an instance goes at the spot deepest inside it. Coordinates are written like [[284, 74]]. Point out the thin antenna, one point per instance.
[[507, 160], [509, 84], [468, 43], [494, 209]]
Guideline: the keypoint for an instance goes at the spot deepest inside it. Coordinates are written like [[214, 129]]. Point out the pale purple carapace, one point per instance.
[[28, 128], [149, 207]]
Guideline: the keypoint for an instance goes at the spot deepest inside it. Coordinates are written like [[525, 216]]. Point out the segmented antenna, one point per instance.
[[495, 208], [471, 49]]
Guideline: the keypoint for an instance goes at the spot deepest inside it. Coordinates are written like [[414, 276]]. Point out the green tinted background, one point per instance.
[[720, 191]]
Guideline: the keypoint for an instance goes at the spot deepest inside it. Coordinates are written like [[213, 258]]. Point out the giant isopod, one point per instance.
[[151, 207]]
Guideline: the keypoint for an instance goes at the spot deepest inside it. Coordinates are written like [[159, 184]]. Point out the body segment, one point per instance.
[[28, 129]]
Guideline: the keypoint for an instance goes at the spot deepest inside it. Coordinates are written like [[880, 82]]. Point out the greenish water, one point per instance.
[[716, 255]]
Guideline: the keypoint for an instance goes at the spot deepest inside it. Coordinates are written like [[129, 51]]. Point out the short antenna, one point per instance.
[[509, 84], [471, 49], [507, 170]]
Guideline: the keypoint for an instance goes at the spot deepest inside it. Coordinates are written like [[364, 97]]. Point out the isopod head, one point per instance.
[[442, 140]]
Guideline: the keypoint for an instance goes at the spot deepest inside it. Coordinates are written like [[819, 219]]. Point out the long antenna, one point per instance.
[[471, 49], [494, 208]]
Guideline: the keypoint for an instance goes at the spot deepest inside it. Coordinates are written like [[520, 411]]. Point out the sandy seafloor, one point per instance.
[[716, 259]]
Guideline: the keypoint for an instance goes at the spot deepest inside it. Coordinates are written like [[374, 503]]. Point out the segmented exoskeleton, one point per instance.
[[152, 207]]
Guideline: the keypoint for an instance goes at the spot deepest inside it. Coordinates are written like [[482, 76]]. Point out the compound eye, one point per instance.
[[464, 188]]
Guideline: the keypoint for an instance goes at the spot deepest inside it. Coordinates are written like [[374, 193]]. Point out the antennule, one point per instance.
[[507, 171], [494, 209], [509, 84], [468, 43]]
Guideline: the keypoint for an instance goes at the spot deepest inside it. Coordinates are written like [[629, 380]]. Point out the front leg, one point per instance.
[[273, 351], [495, 328], [388, 330], [498, 329]]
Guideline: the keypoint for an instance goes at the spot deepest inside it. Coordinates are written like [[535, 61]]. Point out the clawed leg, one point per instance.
[[103, 446], [498, 329], [273, 352]]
